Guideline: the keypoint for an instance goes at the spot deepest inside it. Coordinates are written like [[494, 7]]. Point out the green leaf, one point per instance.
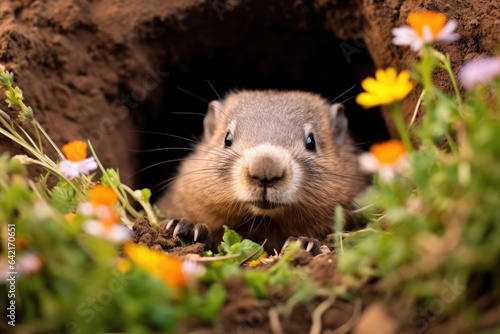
[[247, 248], [63, 199], [231, 237], [112, 179]]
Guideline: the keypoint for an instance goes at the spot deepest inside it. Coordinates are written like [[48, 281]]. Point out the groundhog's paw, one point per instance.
[[309, 244], [188, 231]]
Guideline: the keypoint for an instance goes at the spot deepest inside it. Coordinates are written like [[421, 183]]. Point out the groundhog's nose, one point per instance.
[[265, 171]]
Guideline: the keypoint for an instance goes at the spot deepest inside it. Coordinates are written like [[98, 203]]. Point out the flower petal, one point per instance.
[[368, 162], [448, 34], [367, 100], [118, 233], [370, 85], [427, 35], [69, 169]]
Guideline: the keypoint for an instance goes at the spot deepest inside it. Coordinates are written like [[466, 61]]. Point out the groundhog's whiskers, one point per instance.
[[161, 163], [198, 114], [189, 140], [342, 176], [336, 189], [195, 172], [191, 182], [194, 192], [177, 148], [199, 97], [335, 99]]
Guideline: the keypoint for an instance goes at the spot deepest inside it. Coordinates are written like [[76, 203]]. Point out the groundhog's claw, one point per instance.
[[309, 244], [188, 231]]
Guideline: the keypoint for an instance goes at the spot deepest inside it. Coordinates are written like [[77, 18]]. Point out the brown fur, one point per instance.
[[204, 190]]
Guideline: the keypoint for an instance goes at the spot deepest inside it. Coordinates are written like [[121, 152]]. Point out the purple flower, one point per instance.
[[479, 71]]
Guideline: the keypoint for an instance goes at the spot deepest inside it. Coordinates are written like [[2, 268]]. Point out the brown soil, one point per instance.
[[162, 239], [365, 315], [97, 69]]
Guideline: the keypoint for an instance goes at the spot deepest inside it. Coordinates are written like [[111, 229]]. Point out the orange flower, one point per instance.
[[75, 151], [425, 28], [435, 22], [75, 162], [69, 217], [385, 158], [388, 152], [158, 264], [102, 195]]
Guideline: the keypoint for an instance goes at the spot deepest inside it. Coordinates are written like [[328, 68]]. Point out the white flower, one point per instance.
[[190, 268], [72, 169], [113, 232], [29, 263], [425, 28], [85, 208], [479, 71], [75, 162]]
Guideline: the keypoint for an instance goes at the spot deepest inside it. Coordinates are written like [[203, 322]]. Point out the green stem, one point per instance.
[[39, 139], [42, 160], [123, 199], [446, 64], [36, 124], [147, 208], [451, 143], [27, 135], [401, 126]]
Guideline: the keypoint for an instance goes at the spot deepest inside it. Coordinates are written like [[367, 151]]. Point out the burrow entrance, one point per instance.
[[212, 57]]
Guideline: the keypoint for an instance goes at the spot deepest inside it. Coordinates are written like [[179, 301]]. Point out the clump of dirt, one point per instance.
[[162, 239]]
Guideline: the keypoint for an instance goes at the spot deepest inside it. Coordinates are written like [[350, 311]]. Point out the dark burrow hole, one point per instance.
[[266, 58]]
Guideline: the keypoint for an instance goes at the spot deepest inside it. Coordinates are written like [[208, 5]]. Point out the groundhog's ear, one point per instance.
[[339, 122], [211, 119]]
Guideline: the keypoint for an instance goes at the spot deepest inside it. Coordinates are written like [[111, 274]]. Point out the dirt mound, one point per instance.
[[162, 239]]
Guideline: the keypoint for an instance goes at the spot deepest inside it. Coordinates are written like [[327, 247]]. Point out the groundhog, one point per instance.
[[270, 165]]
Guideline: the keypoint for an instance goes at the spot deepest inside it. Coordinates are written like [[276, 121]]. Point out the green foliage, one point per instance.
[[232, 244], [437, 221]]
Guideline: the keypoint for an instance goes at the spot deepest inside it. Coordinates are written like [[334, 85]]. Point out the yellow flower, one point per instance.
[[18, 94], [388, 87], [158, 264], [255, 263], [386, 159], [123, 265], [102, 195]]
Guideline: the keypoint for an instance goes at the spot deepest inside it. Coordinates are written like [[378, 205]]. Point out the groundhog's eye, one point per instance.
[[310, 143], [228, 140]]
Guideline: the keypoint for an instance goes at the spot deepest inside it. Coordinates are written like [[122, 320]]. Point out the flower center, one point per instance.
[[435, 21], [388, 152]]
